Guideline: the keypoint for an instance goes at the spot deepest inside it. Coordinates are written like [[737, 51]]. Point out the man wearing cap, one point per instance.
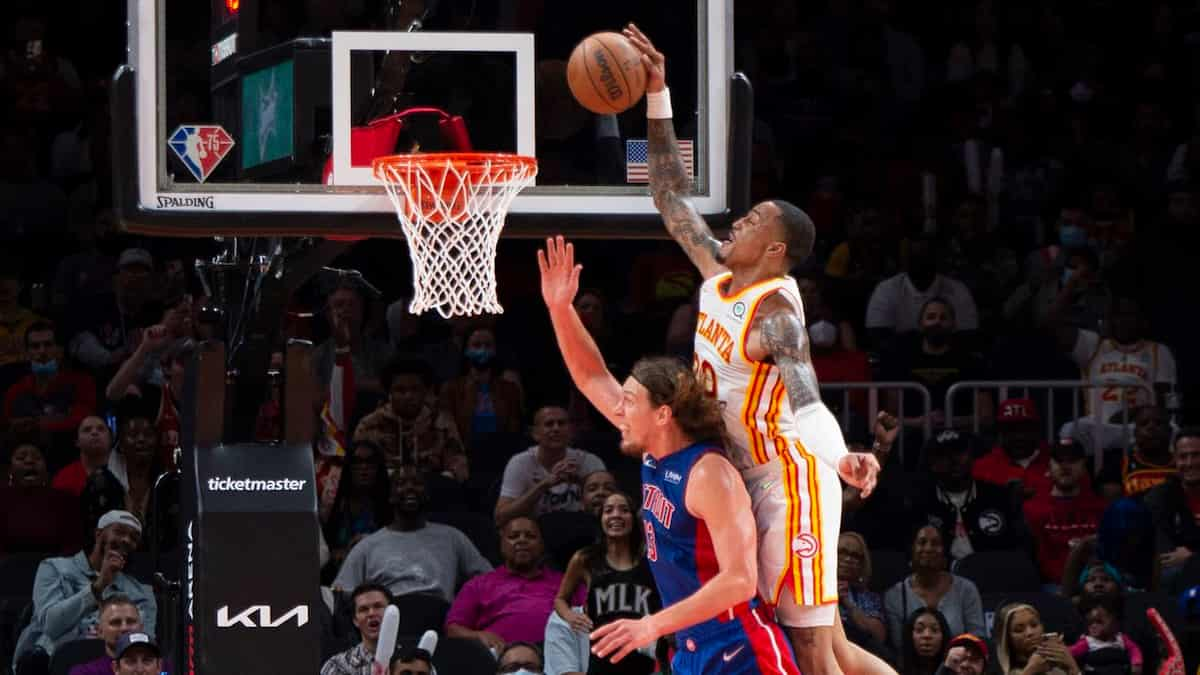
[[137, 654], [67, 592], [972, 515], [118, 617], [109, 327], [1067, 514], [1020, 456], [967, 655]]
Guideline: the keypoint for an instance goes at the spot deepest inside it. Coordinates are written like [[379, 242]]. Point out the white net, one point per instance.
[[451, 208]]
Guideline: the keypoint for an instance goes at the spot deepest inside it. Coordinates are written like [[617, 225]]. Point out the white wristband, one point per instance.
[[658, 105]]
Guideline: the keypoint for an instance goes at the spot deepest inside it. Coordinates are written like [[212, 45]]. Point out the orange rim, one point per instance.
[[474, 164]]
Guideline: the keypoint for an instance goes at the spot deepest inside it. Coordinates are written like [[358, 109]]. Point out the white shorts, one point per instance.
[[797, 503]]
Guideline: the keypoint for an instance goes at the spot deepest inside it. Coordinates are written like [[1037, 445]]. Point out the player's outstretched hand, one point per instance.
[[655, 62], [620, 638], [560, 274], [860, 469]]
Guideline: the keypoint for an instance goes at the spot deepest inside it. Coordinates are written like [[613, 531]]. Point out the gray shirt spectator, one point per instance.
[[548, 476], [961, 605], [411, 555]]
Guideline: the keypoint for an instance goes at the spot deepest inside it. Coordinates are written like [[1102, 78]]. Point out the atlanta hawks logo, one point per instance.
[[805, 545]]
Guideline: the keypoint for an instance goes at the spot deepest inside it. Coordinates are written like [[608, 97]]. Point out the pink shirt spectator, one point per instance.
[[515, 608]]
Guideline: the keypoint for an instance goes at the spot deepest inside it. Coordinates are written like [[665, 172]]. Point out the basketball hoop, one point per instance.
[[451, 208]]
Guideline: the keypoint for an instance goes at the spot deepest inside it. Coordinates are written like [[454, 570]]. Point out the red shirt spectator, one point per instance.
[[54, 399], [1022, 456], [94, 440], [1065, 515], [34, 517]]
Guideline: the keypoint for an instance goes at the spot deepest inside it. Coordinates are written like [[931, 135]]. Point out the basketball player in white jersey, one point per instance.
[[752, 350]]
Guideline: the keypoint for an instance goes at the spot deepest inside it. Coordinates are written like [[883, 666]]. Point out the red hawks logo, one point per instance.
[[805, 546]]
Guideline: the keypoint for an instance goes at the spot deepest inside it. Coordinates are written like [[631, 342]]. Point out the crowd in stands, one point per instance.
[[1002, 191]]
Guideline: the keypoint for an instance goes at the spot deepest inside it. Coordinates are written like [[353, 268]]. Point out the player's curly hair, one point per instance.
[[673, 384]]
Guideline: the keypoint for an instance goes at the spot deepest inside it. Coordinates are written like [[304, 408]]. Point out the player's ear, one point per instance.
[[662, 416], [776, 248]]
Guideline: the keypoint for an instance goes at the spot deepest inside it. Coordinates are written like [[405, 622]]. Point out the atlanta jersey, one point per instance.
[[1123, 370], [682, 559]]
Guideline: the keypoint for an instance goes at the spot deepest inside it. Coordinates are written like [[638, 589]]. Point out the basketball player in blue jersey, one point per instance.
[[752, 355], [700, 533]]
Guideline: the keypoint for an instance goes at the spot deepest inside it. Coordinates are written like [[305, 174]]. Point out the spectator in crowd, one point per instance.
[[870, 517], [861, 608], [362, 505], [412, 555], [87, 274], [15, 320], [936, 360], [1077, 297], [597, 486], [51, 399], [1103, 647], [865, 258], [137, 654], [1126, 541], [33, 516], [346, 312], [108, 328], [1024, 648], [1021, 455], [410, 422], [67, 592], [481, 401], [1175, 505], [897, 303], [118, 617], [1133, 471], [1064, 516], [926, 641], [614, 574], [932, 585], [834, 345], [413, 661], [94, 440], [520, 658], [978, 257], [369, 601], [818, 308], [1121, 363], [135, 463], [512, 602], [968, 655], [972, 516], [154, 373], [547, 476]]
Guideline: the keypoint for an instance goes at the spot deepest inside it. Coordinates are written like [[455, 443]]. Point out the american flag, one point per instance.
[[636, 170]]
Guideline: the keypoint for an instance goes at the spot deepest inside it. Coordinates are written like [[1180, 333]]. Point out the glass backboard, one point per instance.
[[261, 116]]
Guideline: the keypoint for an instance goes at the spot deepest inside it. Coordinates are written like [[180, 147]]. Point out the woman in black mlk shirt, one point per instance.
[[618, 580]]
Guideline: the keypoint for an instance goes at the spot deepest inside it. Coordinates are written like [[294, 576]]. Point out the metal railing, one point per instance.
[[873, 405]]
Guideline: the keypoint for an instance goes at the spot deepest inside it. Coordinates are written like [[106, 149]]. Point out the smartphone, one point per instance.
[[1052, 637]]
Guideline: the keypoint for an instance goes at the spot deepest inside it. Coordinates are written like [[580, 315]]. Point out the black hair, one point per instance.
[[1113, 603], [363, 589], [908, 655], [798, 229], [529, 645], [406, 365], [1186, 432], [40, 327], [938, 300], [379, 493]]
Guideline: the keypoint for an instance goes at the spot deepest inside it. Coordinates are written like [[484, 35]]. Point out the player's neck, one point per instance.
[[668, 442], [744, 277]]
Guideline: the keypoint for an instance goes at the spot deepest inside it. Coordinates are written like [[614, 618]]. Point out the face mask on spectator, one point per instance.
[[823, 334], [1072, 236], [481, 358], [47, 369]]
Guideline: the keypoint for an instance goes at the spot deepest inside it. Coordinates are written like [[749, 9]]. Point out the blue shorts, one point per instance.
[[749, 644]]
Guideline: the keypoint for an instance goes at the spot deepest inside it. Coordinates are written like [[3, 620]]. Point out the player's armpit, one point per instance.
[[671, 188]]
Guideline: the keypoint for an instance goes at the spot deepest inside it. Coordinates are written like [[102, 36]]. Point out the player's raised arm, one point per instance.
[[717, 496], [560, 283], [670, 185], [779, 332]]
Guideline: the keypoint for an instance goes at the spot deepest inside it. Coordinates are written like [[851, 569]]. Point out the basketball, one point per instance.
[[606, 74]]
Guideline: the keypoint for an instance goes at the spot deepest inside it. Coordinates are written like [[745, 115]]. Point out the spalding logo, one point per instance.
[[611, 87], [805, 545]]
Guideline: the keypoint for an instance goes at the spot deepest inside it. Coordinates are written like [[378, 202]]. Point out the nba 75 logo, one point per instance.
[[200, 147]]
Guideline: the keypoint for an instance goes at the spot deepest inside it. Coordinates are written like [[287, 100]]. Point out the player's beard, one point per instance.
[[631, 449]]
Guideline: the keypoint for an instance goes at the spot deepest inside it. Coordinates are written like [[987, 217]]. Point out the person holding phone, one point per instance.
[[1023, 647]]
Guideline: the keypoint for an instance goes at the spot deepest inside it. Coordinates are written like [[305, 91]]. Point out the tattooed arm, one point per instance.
[[671, 188], [778, 334], [670, 185]]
